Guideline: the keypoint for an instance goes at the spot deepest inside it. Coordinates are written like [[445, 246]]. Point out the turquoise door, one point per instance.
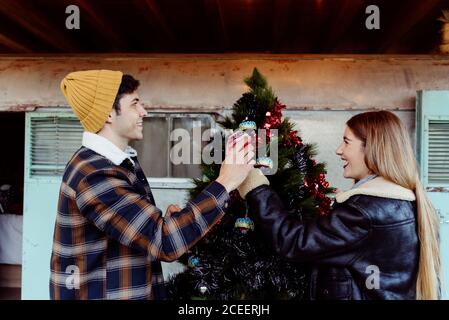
[[432, 128], [50, 139]]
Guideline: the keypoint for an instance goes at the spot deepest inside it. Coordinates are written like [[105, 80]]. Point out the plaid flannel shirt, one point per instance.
[[110, 237]]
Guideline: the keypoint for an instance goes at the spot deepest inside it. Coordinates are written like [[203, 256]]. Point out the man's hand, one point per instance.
[[172, 209], [238, 162]]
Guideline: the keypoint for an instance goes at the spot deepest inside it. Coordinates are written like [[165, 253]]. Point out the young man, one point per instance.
[[109, 236]]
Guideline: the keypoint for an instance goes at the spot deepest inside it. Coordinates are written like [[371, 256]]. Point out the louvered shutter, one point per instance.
[[53, 139], [432, 137], [438, 155]]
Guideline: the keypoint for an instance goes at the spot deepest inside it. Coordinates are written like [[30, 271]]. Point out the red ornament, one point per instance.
[[316, 185], [274, 118], [293, 139]]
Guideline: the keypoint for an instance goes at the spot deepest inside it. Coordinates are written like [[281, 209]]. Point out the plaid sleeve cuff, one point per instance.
[[218, 191]]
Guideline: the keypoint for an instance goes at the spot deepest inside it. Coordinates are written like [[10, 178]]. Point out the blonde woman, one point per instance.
[[380, 240]]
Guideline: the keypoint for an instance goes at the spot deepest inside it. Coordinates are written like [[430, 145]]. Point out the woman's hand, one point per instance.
[[254, 179]]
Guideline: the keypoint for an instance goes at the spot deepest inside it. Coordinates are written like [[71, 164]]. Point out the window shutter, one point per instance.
[[438, 156], [432, 143], [53, 139]]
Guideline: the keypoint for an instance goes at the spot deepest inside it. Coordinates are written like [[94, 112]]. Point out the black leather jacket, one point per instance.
[[365, 248]]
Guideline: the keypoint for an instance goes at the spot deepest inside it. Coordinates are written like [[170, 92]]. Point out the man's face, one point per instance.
[[129, 123]]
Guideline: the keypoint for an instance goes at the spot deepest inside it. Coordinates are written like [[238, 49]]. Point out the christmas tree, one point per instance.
[[234, 260]]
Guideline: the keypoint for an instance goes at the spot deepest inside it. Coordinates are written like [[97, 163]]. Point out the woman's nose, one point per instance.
[[339, 150]]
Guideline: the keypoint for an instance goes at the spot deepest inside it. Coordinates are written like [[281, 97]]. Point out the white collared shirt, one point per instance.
[[107, 149]]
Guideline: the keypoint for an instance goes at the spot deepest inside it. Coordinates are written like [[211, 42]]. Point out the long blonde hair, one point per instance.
[[389, 154]]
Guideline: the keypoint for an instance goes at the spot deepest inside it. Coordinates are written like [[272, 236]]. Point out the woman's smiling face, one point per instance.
[[352, 152]]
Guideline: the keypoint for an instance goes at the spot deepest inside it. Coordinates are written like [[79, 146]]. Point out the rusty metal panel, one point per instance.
[[214, 82]]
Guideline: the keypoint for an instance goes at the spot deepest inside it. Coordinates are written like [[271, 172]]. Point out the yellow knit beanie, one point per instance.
[[91, 95]]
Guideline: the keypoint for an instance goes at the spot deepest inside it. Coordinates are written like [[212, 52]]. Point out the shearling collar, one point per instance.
[[378, 187]]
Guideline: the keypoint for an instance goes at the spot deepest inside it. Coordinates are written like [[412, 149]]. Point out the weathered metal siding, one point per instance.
[[214, 82]]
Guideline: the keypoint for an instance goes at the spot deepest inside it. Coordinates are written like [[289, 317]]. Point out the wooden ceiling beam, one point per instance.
[[101, 23], [341, 24], [35, 24], [412, 13], [158, 16], [214, 10], [12, 45], [280, 22]]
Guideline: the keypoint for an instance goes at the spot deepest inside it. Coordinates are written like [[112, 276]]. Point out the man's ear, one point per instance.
[[110, 116]]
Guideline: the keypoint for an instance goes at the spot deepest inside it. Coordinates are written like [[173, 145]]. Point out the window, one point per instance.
[[154, 150], [54, 138]]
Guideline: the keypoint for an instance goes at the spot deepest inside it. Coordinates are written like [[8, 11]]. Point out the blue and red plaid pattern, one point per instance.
[[110, 235]]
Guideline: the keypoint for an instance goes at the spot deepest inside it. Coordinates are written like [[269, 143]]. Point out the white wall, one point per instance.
[[325, 129]]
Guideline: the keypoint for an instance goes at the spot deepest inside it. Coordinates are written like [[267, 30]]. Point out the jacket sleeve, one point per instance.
[[107, 199], [326, 239]]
